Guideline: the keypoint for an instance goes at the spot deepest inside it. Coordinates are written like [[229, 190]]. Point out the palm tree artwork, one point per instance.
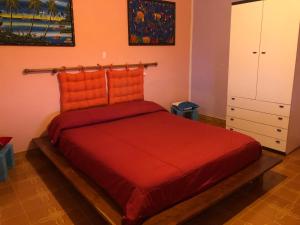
[[52, 10], [36, 22], [35, 6], [11, 5]]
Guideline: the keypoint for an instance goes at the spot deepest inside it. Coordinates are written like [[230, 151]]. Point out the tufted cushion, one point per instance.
[[125, 85], [82, 90]]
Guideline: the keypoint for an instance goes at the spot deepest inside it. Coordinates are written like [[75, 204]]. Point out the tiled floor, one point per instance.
[[36, 193]]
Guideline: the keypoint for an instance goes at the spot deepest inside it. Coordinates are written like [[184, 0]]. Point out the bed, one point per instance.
[[139, 164]]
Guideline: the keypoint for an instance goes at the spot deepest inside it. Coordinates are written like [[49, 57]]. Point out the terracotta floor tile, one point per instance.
[[294, 167], [4, 184], [256, 218], [287, 194], [42, 199], [19, 160], [292, 160], [58, 220], [272, 211], [28, 192], [20, 219], [6, 190], [293, 186], [20, 176], [290, 220], [277, 201], [7, 197], [11, 211], [295, 212], [44, 214], [33, 181]]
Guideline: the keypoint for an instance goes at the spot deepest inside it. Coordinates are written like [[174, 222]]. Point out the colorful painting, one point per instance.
[[36, 22], [151, 22]]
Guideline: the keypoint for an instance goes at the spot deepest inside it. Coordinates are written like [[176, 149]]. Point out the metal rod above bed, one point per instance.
[[75, 68]]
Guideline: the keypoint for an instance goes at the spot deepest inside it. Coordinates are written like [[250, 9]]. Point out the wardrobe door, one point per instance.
[[244, 49], [279, 42]]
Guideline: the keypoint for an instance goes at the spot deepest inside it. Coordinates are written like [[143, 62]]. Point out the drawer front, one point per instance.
[[264, 118], [264, 140], [260, 106], [258, 128]]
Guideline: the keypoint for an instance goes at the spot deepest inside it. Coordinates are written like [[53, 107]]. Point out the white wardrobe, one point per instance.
[[264, 72]]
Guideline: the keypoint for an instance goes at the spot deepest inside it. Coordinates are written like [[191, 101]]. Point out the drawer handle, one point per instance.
[[263, 53], [280, 118], [231, 129], [232, 119], [233, 98], [254, 52], [279, 130], [281, 106], [232, 109], [278, 142]]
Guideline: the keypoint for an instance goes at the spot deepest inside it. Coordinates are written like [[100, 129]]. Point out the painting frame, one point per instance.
[[160, 43], [72, 42]]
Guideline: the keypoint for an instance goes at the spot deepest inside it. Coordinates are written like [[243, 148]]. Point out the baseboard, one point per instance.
[[212, 120]]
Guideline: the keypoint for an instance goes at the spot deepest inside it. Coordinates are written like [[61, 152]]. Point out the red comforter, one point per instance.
[[146, 158]]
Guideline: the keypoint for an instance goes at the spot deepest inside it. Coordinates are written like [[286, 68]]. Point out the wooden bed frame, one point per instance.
[[175, 215]]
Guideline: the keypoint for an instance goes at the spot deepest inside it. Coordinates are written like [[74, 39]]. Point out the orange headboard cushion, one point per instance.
[[82, 90], [125, 85]]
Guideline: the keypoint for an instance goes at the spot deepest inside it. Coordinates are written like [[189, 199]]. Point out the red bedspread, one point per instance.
[[146, 158]]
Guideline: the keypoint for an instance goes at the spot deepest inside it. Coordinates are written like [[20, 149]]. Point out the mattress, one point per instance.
[[147, 159]]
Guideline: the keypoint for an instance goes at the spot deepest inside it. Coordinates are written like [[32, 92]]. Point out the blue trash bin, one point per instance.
[[6, 161], [189, 114]]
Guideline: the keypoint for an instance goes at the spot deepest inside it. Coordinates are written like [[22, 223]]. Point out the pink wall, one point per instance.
[[210, 56], [29, 102]]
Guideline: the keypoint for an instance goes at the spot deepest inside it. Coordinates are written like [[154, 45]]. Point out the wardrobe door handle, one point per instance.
[[254, 52], [263, 53], [278, 142], [279, 130], [232, 109], [280, 118], [233, 98], [281, 106], [232, 119]]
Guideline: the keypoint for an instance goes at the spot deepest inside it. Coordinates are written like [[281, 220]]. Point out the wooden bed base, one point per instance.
[[177, 214]]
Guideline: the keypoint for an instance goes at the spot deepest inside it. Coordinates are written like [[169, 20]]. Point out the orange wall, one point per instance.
[[29, 102]]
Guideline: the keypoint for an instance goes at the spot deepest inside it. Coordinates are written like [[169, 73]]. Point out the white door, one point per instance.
[[279, 42], [244, 49]]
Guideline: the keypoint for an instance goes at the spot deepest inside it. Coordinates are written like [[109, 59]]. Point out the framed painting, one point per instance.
[[36, 22], [151, 22]]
